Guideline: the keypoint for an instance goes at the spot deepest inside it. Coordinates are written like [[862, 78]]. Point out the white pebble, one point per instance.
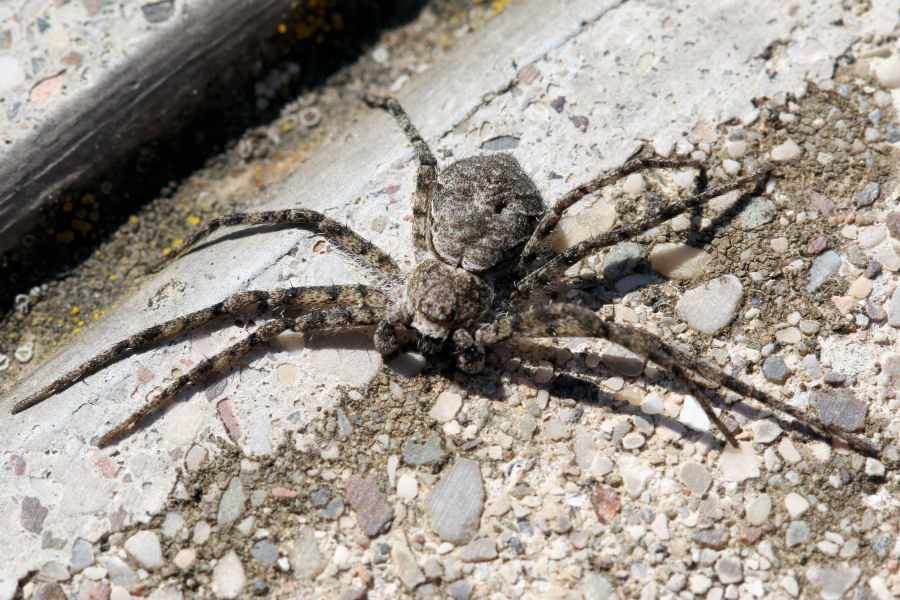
[[786, 151], [796, 504]]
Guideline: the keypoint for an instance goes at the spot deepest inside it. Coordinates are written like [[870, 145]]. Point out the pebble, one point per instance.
[[264, 551], [652, 404], [660, 527], [404, 563], [478, 551], [833, 581], [788, 335], [789, 150], [303, 553], [622, 259], [231, 506], [766, 431], [758, 212], [893, 224], [695, 477], [185, 558], [407, 487], [775, 370], [729, 570], [796, 504], [867, 195], [623, 360], [717, 539], [456, 502], [679, 261], [840, 407], [819, 244], [741, 463], [875, 312], [633, 184], [870, 236], [144, 547], [172, 524], [887, 71], [228, 578], [632, 441], [808, 327], [693, 415], [431, 451], [597, 217], [460, 590], [373, 513], [874, 467], [82, 555], [118, 571], [798, 532], [635, 473], [445, 406], [408, 364], [893, 312], [758, 510], [711, 306], [822, 268]]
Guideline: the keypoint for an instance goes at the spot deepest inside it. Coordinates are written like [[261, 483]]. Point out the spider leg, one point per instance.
[[426, 176], [333, 318], [358, 249], [539, 239], [549, 321], [554, 268], [308, 297]]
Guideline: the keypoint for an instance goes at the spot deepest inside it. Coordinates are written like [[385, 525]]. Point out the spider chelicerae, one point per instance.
[[481, 236]]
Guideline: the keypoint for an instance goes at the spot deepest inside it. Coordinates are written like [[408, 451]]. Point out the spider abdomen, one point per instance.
[[483, 209]]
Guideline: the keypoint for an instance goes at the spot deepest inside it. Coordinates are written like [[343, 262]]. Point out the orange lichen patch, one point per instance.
[[133, 220], [81, 226], [88, 199], [66, 237]]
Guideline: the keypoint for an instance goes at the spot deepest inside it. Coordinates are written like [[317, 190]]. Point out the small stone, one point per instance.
[[445, 406], [231, 506], [717, 539], [185, 558], [867, 195], [431, 451], [144, 547], [606, 503], [693, 415], [875, 312], [712, 306], [789, 150], [228, 578], [873, 269], [480, 550], [822, 268], [775, 370], [695, 477], [456, 502], [404, 562], [633, 441], [622, 259], [834, 379], [860, 288], [729, 570], [796, 504], [798, 532], [82, 555], [304, 555], [594, 218], [893, 312], [874, 467], [887, 71], [635, 472], [460, 590], [408, 364], [33, 514], [264, 551], [633, 184], [373, 513], [808, 327], [788, 335], [679, 261], [407, 487], [765, 431], [652, 404], [833, 581], [557, 430], [870, 236], [739, 463], [818, 245], [758, 212], [623, 360], [758, 510], [893, 224], [841, 408], [172, 524], [780, 244]]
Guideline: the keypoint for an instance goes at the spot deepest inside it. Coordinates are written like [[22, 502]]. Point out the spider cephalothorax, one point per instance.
[[479, 221]]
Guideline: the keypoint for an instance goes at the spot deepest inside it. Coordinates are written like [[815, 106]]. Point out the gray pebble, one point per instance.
[[710, 307], [264, 551], [118, 571], [716, 539], [775, 370], [82, 555], [840, 407], [729, 570], [867, 195], [893, 313], [430, 451], [456, 502], [875, 312], [822, 268], [231, 506], [833, 581], [460, 590], [622, 259], [758, 212], [696, 477], [798, 532], [623, 360], [478, 551], [304, 555]]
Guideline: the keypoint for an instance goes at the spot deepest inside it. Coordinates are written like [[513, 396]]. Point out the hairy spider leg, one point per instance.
[[308, 297], [554, 268], [375, 261], [544, 321], [540, 239], [427, 174], [343, 317]]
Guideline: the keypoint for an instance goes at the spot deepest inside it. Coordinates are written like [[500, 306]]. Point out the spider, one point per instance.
[[480, 235]]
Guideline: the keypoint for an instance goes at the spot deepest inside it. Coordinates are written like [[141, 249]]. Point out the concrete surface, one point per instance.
[[639, 72]]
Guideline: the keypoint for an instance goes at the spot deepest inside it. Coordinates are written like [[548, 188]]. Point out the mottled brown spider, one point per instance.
[[480, 233]]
